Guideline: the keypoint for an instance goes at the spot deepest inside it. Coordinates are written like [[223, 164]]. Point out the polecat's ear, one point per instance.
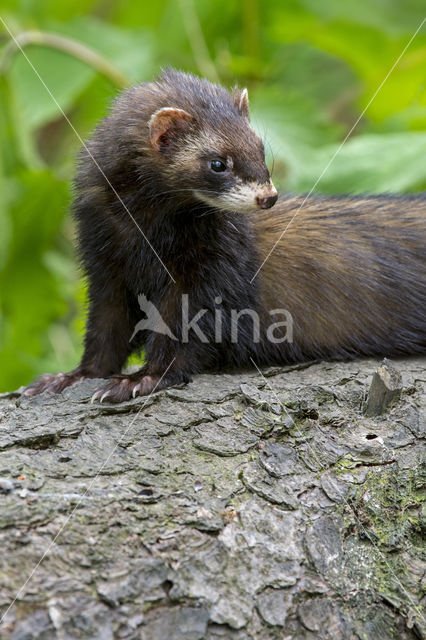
[[241, 101], [167, 123]]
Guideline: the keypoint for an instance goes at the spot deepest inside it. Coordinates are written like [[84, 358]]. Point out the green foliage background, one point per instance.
[[311, 67]]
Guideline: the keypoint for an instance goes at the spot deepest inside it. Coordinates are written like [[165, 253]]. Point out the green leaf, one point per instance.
[[17, 145], [367, 164], [32, 295], [60, 75], [369, 48]]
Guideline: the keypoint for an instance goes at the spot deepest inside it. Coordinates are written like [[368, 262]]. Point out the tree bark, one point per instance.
[[241, 506]]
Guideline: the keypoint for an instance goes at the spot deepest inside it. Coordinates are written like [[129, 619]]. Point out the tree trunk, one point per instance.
[[241, 507]]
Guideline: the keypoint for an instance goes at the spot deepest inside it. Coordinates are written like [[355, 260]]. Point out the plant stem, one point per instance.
[[251, 29], [197, 41], [67, 45]]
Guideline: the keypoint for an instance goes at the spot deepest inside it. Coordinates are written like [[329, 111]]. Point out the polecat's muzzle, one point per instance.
[[268, 202]]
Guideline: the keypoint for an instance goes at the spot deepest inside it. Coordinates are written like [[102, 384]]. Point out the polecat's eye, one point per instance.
[[217, 166]]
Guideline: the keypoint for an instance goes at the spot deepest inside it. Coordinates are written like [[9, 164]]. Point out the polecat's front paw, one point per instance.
[[55, 383], [124, 388]]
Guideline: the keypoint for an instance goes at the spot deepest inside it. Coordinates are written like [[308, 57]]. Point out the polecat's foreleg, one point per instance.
[[168, 363], [107, 341], [141, 383]]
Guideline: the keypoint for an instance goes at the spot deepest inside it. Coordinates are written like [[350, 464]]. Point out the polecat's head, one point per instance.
[[205, 147]]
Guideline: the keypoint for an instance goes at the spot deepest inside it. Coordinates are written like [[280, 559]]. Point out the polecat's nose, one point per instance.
[[268, 202]]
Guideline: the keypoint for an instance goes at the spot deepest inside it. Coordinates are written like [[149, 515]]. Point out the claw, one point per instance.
[[105, 395], [96, 396], [136, 390]]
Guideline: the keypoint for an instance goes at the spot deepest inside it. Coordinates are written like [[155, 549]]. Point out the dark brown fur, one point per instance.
[[349, 270]]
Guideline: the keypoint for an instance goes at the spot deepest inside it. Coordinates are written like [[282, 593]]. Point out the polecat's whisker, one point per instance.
[[273, 156]]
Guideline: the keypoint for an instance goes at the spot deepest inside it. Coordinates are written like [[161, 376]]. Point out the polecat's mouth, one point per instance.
[[243, 198]]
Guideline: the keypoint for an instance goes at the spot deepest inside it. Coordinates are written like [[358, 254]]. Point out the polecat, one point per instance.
[[173, 205]]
